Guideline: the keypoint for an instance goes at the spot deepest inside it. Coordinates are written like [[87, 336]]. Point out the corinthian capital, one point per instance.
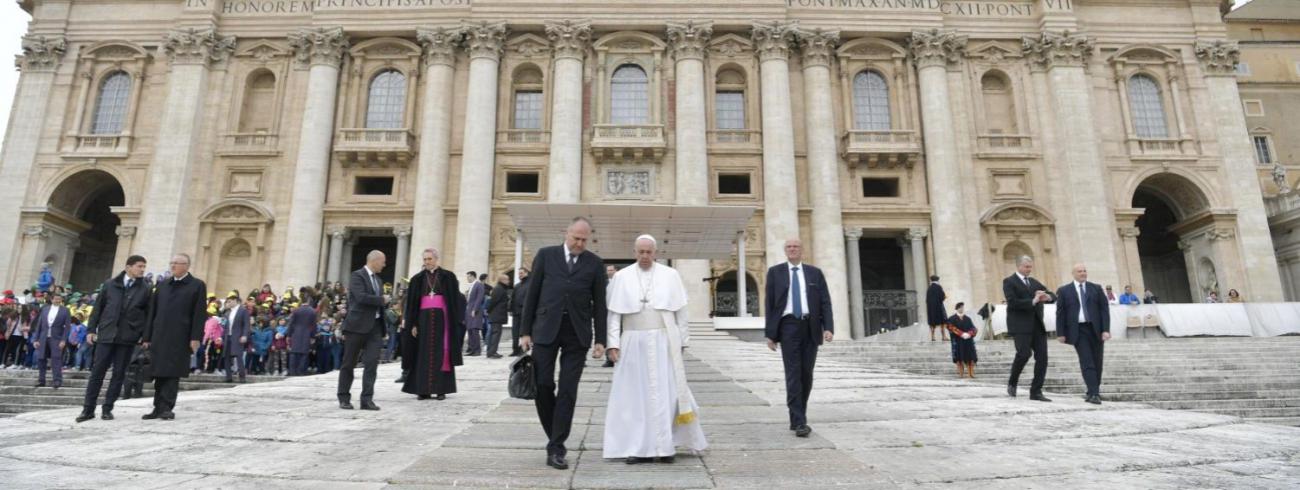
[[772, 39], [191, 46], [485, 39], [1218, 57], [818, 46], [569, 39], [319, 45], [936, 48], [439, 44], [690, 39], [1051, 49], [41, 53]]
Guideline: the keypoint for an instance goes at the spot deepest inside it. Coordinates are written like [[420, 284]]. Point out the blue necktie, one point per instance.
[[794, 294]]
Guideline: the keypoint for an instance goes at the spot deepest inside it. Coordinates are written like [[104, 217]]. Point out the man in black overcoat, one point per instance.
[[936, 315], [517, 310], [173, 333], [498, 307]]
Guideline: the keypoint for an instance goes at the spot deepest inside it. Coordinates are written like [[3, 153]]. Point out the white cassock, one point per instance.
[[651, 410]]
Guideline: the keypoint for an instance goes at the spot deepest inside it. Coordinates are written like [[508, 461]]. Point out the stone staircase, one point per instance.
[[705, 331], [18, 394], [1254, 378]]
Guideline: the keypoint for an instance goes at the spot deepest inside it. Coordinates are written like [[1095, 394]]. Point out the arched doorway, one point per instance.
[[80, 210], [1168, 201], [235, 266], [726, 296]]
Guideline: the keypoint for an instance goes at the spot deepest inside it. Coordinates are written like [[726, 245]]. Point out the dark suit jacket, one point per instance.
[[1023, 316], [237, 329], [364, 303], [302, 326], [517, 297], [935, 313], [819, 300], [553, 290], [1097, 310], [498, 305], [45, 331]]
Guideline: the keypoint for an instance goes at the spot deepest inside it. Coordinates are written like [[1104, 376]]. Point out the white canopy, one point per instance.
[[683, 232]]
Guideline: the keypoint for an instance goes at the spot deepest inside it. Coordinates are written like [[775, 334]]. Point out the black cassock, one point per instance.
[[176, 317], [435, 351]]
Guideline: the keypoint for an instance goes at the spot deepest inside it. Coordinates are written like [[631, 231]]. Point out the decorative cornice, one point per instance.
[[772, 39], [484, 39], [439, 44], [1051, 49], [818, 46], [1218, 58], [689, 40], [936, 47], [569, 39], [319, 45], [41, 53], [189, 46]]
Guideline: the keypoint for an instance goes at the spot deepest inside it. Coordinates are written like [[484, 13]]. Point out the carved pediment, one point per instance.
[[993, 52], [731, 46], [871, 49], [528, 46], [630, 42], [386, 48], [237, 211], [115, 51], [262, 50]]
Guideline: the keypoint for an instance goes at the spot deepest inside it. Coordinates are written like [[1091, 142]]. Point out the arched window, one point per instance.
[[387, 102], [111, 104], [870, 102], [999, 105], [1146, 107], [629, 96], [257, 111], [729, 100]]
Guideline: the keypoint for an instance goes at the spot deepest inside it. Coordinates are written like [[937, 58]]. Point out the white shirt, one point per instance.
[[803, 290], [1023, 278], [230, 321], [1080, 288], [54, 312], [373, 283], [568, 256]]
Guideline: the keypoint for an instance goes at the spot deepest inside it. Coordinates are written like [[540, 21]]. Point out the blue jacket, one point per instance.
[[262, 338]]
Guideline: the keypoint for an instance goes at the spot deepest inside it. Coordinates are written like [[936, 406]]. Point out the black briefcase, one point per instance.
[[523, 382]]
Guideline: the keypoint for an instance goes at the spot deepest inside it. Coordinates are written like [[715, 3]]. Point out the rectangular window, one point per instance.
[[1254, 107], [523, 183], [528, 109], [875, 187], [1243, 69], [1263, 151], [373, 186], [734, 184], [730, 109]]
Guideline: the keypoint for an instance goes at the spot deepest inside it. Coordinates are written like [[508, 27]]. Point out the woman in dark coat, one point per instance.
[[434, 328], [963, 337], [173, 333]]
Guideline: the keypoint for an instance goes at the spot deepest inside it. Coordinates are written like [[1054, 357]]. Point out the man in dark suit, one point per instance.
[[173, 332], [498, 307], [474, 319], [116, 323], [1083, 320], [50, 337], [302, 327], [236, 338], [517, 311], [363, 330], [799, 319], [935, 313], [1025, 299], [565, 298]]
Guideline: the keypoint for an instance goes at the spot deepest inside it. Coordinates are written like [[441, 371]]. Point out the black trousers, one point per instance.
[[799, 354], [1090, 349], [494, 338], [164, 394], [366, 347], [1034, 344], [298, 363], [514, 336], [555, 408], [115, 355]]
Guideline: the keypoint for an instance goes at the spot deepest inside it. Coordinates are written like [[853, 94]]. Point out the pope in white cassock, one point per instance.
[[651, 411]]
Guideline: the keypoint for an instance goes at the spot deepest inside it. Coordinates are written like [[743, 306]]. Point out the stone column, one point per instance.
[[823, 170], [519, 254], [933, 51], [401, 271], [858, 316], [335, 262], [429, 220], [180, 130], [348, 243], [742, 278], [688, 42], [322, 49], [478, 158], [40, 60], [569, 40], [780, 203], [1218, 61], [920, 278], [1064, 56]]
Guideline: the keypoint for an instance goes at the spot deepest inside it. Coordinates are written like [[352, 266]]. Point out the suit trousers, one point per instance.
[[115, 355], [494, 338], [555, 409], [365, 346], [235, 362], [474, 346], [298, 364], [1034, 344], [164, 394], [514, 336], [799, 354], [51, 355], [1090, 348]]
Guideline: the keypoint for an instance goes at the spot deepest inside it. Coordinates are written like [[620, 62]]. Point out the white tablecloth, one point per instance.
[[1273, 319], [1223, 319]]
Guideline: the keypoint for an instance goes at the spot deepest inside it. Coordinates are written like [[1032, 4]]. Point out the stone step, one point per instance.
[[17, 408], [1113, 365], [1251, 413], [1291, 421], [1199, 405]]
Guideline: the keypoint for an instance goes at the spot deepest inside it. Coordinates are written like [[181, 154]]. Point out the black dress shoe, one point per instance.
[[803, 431], [85, 416], [345, 405], [150, 416], [442, 397], [1094, 399], [423, 397], [494, 356], [608, 364], [668, 459], [39, 385], [636, 460], [107, 415], [168, 415], [57, 385], [1011, 390], [556, 461], [368, 405], [1039, 398]]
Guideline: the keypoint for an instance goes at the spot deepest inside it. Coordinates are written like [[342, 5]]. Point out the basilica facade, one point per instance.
[[279, 140]]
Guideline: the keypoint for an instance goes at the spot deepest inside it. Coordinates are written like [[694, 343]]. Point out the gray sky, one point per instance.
[[13, 23]]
